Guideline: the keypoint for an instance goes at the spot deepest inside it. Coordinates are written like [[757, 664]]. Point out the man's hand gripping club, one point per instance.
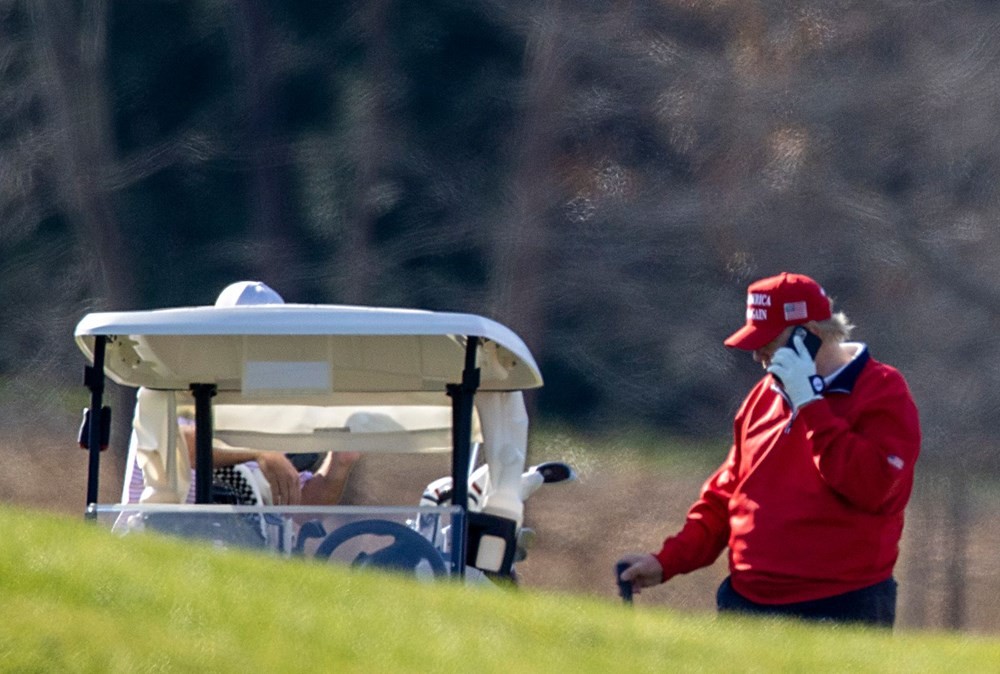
[[641, 571]]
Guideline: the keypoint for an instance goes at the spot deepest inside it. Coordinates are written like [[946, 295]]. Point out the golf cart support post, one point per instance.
[[462, 397], [94, 417], [314, 358]]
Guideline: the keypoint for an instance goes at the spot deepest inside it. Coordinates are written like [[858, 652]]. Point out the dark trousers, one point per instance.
[[874, 605]]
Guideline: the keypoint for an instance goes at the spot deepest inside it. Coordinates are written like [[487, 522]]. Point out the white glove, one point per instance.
[[796, 371]]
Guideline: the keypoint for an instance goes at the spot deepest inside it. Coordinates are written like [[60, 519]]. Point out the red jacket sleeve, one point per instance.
[[869, 459]]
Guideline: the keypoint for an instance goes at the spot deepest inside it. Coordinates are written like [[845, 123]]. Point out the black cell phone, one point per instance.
[[811, 341]]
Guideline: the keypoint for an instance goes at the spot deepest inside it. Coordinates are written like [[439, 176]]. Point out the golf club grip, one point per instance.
[[624, 587]]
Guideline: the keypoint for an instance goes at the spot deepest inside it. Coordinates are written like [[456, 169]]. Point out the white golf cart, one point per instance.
[[299, 378]]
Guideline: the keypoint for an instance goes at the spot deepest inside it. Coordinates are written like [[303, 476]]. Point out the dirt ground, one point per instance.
[[616, 506]]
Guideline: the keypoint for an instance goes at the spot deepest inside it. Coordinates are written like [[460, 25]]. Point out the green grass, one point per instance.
[[74, 598]]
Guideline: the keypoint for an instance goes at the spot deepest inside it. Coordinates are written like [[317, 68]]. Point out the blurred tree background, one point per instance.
[[604, 177]]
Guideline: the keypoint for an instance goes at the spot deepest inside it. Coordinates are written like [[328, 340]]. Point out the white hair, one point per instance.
[[837, 328]]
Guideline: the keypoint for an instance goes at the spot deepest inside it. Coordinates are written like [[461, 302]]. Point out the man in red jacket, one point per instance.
[[810, 499]]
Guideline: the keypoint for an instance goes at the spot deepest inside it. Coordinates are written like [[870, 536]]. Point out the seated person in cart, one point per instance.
[[245, 476]]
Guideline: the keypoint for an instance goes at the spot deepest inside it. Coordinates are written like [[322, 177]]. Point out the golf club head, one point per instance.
[[556, 471], [525, 539]]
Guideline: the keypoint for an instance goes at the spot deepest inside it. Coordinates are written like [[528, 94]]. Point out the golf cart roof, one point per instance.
[[304, 353]]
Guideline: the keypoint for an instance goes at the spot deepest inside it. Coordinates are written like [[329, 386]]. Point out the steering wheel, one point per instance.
[[407, 550]]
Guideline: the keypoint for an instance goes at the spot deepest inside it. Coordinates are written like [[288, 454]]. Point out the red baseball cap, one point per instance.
[[776, 302]]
